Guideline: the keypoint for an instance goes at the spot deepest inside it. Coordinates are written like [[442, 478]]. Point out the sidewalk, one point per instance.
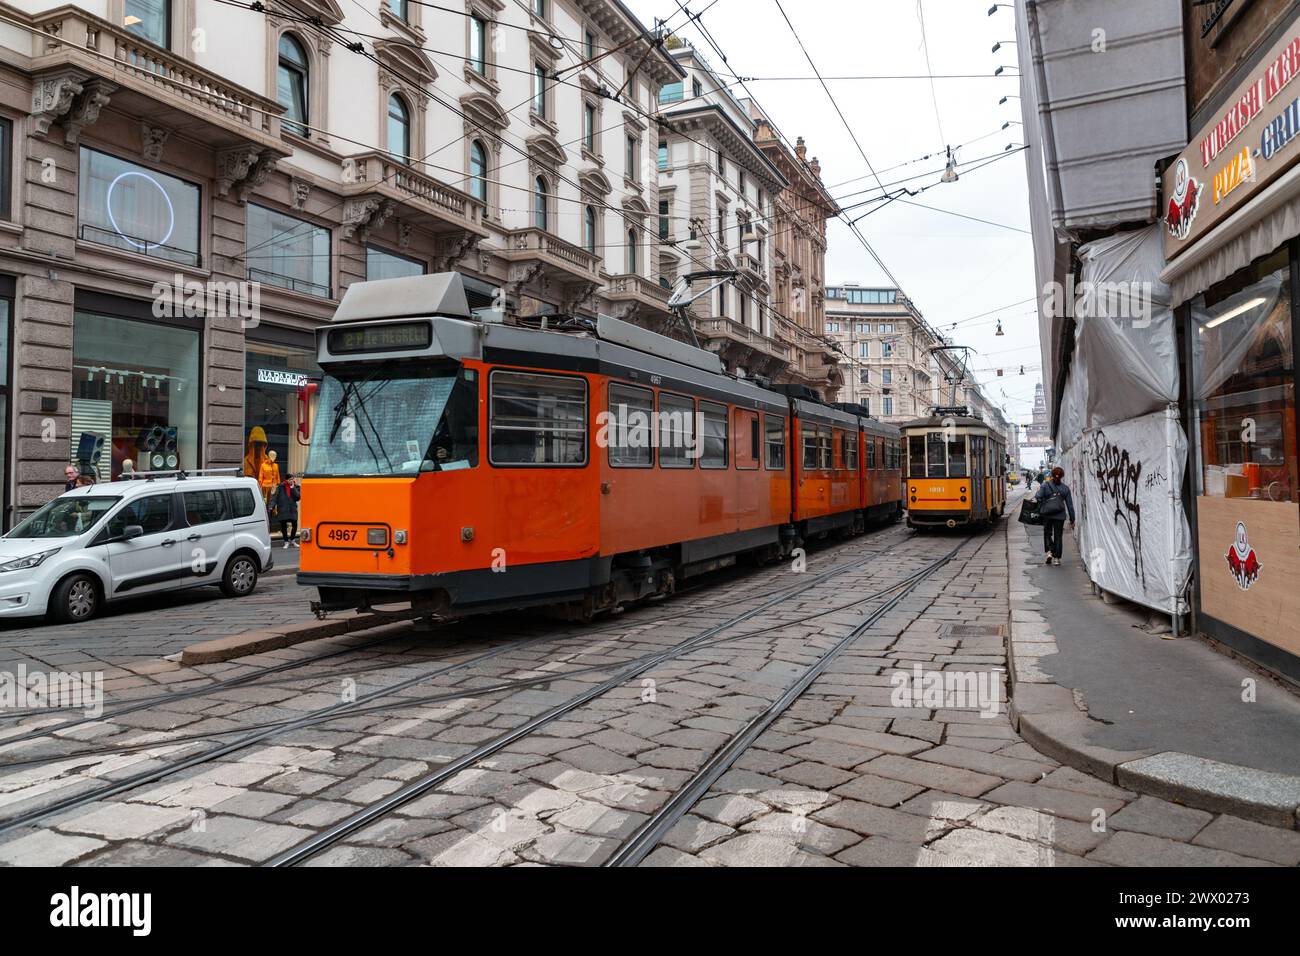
[[1096, 690]]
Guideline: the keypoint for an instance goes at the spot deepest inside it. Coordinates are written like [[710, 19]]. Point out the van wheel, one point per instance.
[[76, 598], [240, 576]]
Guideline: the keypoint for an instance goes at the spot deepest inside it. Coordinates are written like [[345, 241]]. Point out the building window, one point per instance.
[[589, 229], [6, 169], [287, 252], [539, 8], [663, 155], [537, 419], [143, 401], [722, 164], [722, 300], [742, 301], [381, 264], [864, 376], [539, 90], [696, 89], [631, 252], [148, 19], [399, 130], [864, 350], [633, 148], [399, 9], [889, 406], [291, 85], [478, 30], [740, 182], [6, 330], [665, 230], [887, 376], [589, 44], [589, 127], [137, 209], [722, 231], [832, 326], [541, 204], [672, 93], [887, 349], [478, 171], [887, 328]]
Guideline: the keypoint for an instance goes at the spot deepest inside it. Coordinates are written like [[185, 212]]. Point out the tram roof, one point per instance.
[[936, 421]]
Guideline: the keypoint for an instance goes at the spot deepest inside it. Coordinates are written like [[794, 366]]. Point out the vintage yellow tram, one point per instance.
[[956, 470]]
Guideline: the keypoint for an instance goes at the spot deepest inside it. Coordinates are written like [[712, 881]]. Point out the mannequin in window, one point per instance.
[[268, 476]]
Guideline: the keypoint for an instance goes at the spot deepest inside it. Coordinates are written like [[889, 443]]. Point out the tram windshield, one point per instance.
[[394, 419]]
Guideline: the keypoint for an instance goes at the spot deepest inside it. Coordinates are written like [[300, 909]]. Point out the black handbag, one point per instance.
[[1052, 506], [1029, 512]]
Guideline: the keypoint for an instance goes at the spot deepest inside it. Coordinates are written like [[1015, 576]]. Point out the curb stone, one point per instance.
[[1048, 717], [258, 642]]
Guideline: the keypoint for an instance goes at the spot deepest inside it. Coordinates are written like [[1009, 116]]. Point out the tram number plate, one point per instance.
[[936, 491], [360, 537]]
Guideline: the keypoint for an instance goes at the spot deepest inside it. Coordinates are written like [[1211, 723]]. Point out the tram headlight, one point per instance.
[[399, 537], [913, 499], [963, 498], [963, 489]]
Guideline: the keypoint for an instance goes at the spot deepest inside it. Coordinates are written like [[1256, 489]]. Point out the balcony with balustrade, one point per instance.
[[81, 62], [634, 298], [425, 201], [741, 347]]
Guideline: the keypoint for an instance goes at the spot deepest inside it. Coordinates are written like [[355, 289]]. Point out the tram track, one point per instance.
[[419, 787], [254, 678], [344, 709]]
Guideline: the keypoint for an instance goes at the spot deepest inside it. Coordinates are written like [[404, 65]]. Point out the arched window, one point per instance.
[[541, 204], [478, 171], [589, 229], [631, 252], [291, 84], [399, 129]]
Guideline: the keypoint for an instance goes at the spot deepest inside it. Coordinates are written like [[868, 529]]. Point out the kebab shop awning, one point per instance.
[[1233, 194]]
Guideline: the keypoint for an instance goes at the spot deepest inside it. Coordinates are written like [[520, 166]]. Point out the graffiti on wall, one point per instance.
[[1119, 478]]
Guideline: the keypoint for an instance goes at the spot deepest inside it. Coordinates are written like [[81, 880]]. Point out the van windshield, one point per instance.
[[64, 518], [395, 419]]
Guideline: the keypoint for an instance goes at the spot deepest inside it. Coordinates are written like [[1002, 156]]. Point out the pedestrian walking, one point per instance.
[[1054, 503], [284, 505]]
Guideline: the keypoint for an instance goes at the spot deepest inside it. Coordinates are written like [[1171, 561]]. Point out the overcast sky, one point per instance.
[[952, 268]]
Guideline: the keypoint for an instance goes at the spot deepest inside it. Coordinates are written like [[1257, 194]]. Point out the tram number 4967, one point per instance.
[[342, 535]]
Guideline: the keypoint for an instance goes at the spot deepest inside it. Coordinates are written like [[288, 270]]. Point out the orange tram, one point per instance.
[[465, 466], [956, 470]]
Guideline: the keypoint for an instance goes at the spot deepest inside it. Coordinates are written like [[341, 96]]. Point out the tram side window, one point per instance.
[[809, 433], [628, 427], [871, 454], [676, 431], [774, 441], [537, 419], [957, 457], [824, 448], [713, 418], [851, 452]]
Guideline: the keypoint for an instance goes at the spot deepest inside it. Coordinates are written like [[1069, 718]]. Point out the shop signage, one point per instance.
[[278, 376], [1248, 144], [1243, 563]]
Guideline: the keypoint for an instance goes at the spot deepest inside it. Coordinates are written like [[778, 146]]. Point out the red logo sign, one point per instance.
[[1184, 202], [1243, 563]]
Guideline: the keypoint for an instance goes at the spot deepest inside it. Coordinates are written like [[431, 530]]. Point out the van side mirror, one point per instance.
[[132, 531]]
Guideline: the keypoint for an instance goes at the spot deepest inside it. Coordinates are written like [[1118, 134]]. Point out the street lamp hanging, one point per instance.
[[999, 331], [950, 169]]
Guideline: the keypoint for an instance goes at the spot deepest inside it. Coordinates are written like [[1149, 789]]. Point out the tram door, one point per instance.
[[978, 484]]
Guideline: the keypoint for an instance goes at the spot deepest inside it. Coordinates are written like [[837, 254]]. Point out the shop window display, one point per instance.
[[1244, 378], [273, 376], [136, 385]]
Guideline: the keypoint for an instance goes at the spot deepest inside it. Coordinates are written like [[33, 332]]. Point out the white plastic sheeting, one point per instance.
[[1122, 446], [1132, 534]]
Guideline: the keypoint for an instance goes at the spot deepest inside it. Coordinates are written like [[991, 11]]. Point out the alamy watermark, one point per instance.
[[952, 690], [191, 298], [52, 690], [1122, 301]]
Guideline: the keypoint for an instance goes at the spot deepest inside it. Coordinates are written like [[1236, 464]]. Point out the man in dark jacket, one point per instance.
[[284, 506], [1054, 503]]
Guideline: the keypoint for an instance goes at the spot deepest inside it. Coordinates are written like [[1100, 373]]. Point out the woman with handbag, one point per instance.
[[1054, 503]]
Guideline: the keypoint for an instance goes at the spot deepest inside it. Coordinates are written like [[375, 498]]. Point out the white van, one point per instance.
[[124, 539]]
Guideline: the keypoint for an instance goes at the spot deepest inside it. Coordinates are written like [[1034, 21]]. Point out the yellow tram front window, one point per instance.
[[957, 457]]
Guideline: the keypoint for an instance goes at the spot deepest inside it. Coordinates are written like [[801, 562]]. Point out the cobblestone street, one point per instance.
[[849, 774]]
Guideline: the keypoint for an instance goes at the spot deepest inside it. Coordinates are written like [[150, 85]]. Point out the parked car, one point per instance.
[[106, 542]]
